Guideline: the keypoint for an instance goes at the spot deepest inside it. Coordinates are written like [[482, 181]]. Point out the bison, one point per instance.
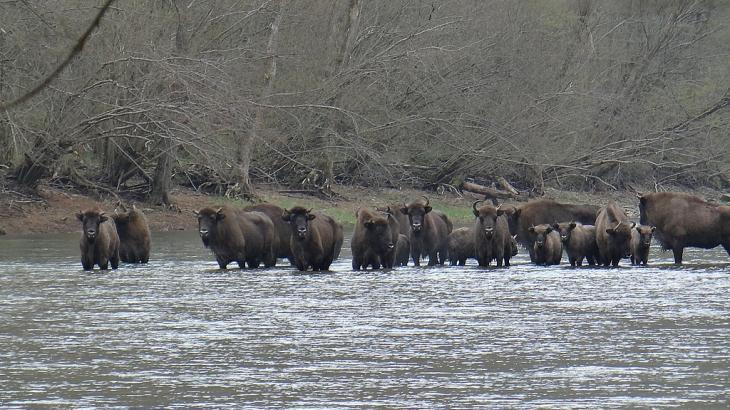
[[547, 248], [99, 240], [281, 243], [134, 236], [460, 244], [513, 244], [402, 250], [492, 239], [579, 242], [640, 242], [233, 235], [546, 211], [374, 240], [683, 220], [404, 227], [428, 232], [315, 239], [613, 234]]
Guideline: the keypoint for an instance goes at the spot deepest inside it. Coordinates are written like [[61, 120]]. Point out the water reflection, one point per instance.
[[179, 332]]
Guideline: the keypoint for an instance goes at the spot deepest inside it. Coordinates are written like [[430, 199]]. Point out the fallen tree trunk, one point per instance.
[[487, 191]]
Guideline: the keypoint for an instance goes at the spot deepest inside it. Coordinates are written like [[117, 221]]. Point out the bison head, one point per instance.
[[208, 219], [645, 235], [486, 218], [298, 218], [621, 236], [379, 232], [539, 234], [564, 229], [90, 221], [416, 212]]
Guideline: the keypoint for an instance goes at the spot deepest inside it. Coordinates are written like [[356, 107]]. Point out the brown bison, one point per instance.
[[640, 242], [374, 240], [546, 211], [233, 235], [428, 232], [683, 220], [492, 239], [613, 234], [404, 227], [402, 250], [315, 240], [99, 240], [547, 248], [134, 236], [513, 244], [460, 246], [281, 243], [579, 242]]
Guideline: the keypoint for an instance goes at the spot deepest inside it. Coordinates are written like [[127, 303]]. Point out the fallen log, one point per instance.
[[487, 191]]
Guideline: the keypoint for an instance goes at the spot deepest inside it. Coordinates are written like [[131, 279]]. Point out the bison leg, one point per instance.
[[356, 264], [678, 251], [506, 260], [115, 260], [253, 263], [86, 264], [103, 263], [727, 248], [222, 263]]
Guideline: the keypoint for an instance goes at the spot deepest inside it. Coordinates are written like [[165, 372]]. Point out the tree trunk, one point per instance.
[[246, 140], [162, 179]]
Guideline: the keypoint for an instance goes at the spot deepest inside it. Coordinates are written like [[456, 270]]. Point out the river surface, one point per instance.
[[180, 333]]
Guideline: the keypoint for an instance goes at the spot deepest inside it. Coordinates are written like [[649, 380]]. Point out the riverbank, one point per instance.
[[51, 210]]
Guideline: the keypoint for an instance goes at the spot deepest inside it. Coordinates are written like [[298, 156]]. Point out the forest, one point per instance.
[[134, 97]]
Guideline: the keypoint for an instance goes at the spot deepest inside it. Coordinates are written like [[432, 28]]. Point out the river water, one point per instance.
[[178, 332]]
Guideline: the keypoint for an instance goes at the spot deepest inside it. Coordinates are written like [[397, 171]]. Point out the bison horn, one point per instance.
[[426, 198], [617, 225], [474, 205]]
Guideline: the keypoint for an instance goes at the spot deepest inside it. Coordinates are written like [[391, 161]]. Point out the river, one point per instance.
[[179, 333]]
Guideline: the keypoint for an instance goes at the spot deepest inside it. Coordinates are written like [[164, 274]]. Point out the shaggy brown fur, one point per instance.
[[579, 242], [545, 211], [683, 220], [374, 240], [134, 236], [281, 243], [316, 239], [461, 246], [492, 240], [99, 240], [613, 234], [402, 250], [547, 248], [233, 235], [640, 243], [428, 232]]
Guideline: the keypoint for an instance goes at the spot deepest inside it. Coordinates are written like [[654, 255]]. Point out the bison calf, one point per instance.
[[315, 239], [374, 240], [640, 242], [460, 244], [134, 236], [613, 234], [99, 240], [547, 248], [579, 242], [246, 238]]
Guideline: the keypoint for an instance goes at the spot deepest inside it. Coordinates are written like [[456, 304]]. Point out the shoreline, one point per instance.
[[53, 210]]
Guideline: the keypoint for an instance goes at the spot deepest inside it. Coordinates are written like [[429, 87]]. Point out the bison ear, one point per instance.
[[103, 218], [517, 212], [610, 231], [286, 216], [500, 211], [311, 216], [476, 213], [369, 223], [572, 225], [80, 216], [548, 229], [219, 215], [531, 229], [404, 211], [653, 228], [427, 209]]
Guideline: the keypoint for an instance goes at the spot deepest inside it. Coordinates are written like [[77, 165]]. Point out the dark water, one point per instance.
[[180, 333]]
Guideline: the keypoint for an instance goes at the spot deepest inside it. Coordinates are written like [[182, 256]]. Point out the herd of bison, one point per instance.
[[390, 236]]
